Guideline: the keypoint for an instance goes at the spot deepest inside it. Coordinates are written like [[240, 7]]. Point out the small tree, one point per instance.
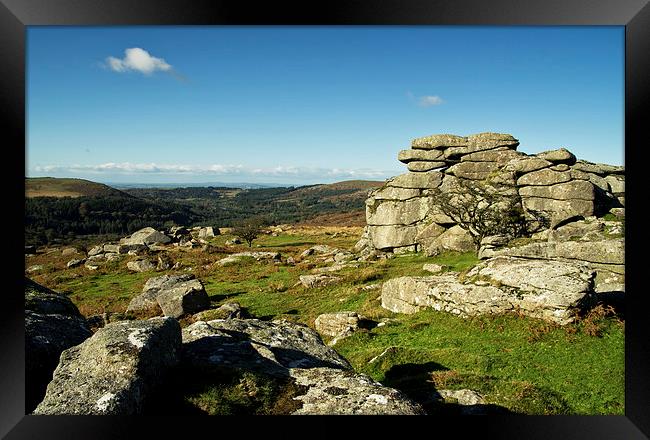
[[249, 229], [483, 209]]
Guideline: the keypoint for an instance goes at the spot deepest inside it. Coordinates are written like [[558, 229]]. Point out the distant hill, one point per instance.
[[95, 209], [63, 187]]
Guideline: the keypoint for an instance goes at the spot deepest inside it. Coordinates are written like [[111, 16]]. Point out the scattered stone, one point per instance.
[[233, 241], [182, 298], [96, 250], [462, 397], [141, 266], [74, 263], [146, 236], [164, 262], [114, 371], [69, 251], [342, 257], [618, 212], [335, 324], [208, 232], [258, 256], [112, 248], [433, 268], [319, 280], [35, 268]]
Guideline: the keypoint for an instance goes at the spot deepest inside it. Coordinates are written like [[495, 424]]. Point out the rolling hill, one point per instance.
[[63, 187], [64, 209]]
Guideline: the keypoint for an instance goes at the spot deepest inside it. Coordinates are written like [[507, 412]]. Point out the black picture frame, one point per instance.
[[15, 15]]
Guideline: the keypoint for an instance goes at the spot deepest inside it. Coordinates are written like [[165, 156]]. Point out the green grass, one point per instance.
[[518, 363]]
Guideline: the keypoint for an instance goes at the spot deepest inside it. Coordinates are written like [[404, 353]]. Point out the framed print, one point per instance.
[[219, 180]]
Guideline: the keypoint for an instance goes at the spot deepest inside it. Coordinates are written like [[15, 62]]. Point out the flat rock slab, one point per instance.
[[112, 372], [411, 155], [338, 392], [421, 166], [428, 180], [270, 347], [576, 189], [544, 177], [545, 289], [602, 251]]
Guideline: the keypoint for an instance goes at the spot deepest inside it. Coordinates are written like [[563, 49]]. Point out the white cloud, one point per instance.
[[137, 59], [128, 168], [428, 101]]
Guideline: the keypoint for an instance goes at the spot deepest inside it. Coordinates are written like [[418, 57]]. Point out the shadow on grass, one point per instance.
[[416, 381], [221, 296]]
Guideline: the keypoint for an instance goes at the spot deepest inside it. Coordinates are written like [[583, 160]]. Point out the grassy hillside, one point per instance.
[[63, 210], [519, 364], [60, 187]]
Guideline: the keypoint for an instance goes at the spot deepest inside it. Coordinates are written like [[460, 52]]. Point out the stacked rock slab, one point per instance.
[[402, 215]]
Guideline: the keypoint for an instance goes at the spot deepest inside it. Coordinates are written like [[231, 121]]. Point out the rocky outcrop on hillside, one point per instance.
[[114, 371], [594, 242], [52, 324], [403, 215], [550, 290]]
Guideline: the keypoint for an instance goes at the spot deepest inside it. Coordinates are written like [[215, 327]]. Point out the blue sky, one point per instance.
[[302, 105]]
